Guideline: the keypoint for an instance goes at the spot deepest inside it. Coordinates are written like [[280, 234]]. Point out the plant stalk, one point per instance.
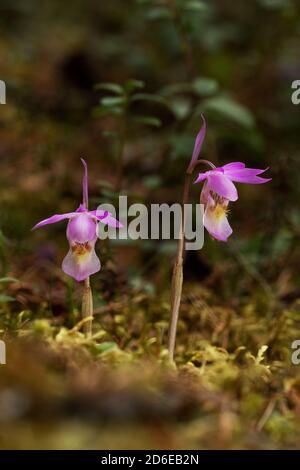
[[87, 307], [87, 296], [177, 277]]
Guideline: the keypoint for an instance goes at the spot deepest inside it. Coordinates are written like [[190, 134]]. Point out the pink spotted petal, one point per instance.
[[82, 228], [217, 225], [53, 219], [81, 266], [223, 186]]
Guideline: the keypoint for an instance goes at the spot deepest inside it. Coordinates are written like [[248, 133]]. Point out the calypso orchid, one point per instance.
[[81, 260], [218, 190]]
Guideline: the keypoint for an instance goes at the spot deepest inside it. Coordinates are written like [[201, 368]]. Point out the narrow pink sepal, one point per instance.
[[198, 143], [85, 187], [53, 219]]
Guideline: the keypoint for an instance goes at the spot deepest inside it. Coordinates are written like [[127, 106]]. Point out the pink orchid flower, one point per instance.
[[218, 190], [81, 260]]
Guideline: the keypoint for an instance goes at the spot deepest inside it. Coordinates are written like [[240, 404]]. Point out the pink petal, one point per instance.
[[85, 191], [106, 218], [233, 166], [223, 186], [198, 142], [215, 221], [247, 175], [53, 219], [82, 228], [80, 266], [201, 177]]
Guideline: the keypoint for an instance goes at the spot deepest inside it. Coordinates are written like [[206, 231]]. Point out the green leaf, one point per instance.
[[152, 181], [111, 101], [158, 13], [274, 4], [151, 98], [6, 298], [177, 88], [148, 121], [181, 108], [105, 184], [8, 279], [205, 86], [228, 108], [113, 87], [194, 5], [101, 111], [107, 346], [110, 134], [132, 84]]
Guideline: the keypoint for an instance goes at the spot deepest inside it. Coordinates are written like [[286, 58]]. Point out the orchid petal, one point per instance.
[[85, 190], [215, 221], [106, 218], [54, 218], [82, 228], [223, 186], [198, 143], [233, 166], [247, 175], [201, 177], [81, 261]]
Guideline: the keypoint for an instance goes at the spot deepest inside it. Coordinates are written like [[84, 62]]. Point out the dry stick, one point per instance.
[[177, 277]]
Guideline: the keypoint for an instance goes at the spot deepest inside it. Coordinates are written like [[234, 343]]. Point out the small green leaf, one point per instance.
[[101, 111], [181, 107], [6, 298], [8, 279], [228, 108], [111, 101], [158, 13], [148, 121], [107, 346], [194, 5], [110, 134], [151, 98], [177, 88], [205, 86], [132, 84], [152, 181], [113, 87]]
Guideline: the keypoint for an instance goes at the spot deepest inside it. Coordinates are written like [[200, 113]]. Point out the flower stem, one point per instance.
[[87, 296], [177, 278], [87, 307]]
